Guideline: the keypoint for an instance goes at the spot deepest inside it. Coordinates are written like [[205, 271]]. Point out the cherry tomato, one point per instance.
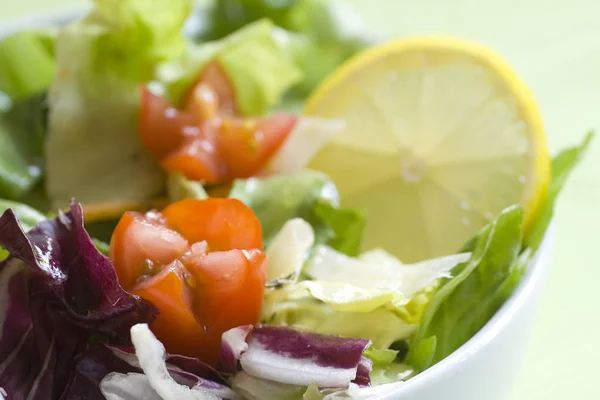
[[176, 326], [162, 128], [200, 262], [246, 145], [224, 224], [197, 157], [228, 292], [212, 94], [143, 244], [207, 140]]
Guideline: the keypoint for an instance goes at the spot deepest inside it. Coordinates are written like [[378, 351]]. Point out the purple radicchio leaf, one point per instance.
[[56, 293], [185, 370], [233, 344], [363, 372], [295, 357], [92, 366], [169, 382]]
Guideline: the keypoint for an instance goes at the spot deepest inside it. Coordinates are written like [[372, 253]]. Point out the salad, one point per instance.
[[177, 224]]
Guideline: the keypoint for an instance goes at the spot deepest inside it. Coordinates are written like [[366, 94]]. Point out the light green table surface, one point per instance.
[[555, 46]]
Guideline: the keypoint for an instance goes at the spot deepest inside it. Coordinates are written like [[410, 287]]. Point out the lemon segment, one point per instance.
[[440, 136]]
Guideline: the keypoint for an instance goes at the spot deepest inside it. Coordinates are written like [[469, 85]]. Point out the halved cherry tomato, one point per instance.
[[197, 157], [162, 127], [228, 292], [212, 94], [208, 141], [246, 145], [169, 259], [141, 245], [176, 325], [224, 224]]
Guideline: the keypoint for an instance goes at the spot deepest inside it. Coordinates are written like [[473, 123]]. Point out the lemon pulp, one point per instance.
[[440, 136]]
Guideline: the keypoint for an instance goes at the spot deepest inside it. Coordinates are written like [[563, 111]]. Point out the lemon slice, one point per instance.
[[440, 136]]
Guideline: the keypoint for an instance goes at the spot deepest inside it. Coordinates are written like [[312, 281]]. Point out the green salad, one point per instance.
[[178, 224]]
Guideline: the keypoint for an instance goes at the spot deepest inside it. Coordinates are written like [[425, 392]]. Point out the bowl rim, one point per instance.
[[501, 319]]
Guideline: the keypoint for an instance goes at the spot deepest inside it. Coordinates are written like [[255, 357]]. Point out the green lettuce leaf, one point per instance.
[[180, 188], [259, 389], [346, 227], [343, 296], [318, 36], [294, 306], [562, 166], [375, 308], [26, 64], [22, 131], [394, 372], [279, 198], [382, 357], [309, 195], [463, 304], [402, 282], [354, 297], [129, 38], [258, 68], [93, 151]]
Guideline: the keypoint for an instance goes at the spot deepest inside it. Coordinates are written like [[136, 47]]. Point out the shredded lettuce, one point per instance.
[[259, 70], [382, 325], [338, 309], [356, 297], [260, 389], [402, 282], [94, 100]]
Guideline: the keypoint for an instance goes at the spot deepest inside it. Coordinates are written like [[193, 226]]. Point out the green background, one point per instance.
[[555, 47]]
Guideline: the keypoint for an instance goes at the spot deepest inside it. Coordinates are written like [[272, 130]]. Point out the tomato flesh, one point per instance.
[[144, 244], [212, 94], [224, 224], [207, 140], [197, 157], [176, 325], [163, 128], [247, 145], [207, 271]]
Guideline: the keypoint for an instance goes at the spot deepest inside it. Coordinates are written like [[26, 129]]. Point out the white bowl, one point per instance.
[[486, 366]]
